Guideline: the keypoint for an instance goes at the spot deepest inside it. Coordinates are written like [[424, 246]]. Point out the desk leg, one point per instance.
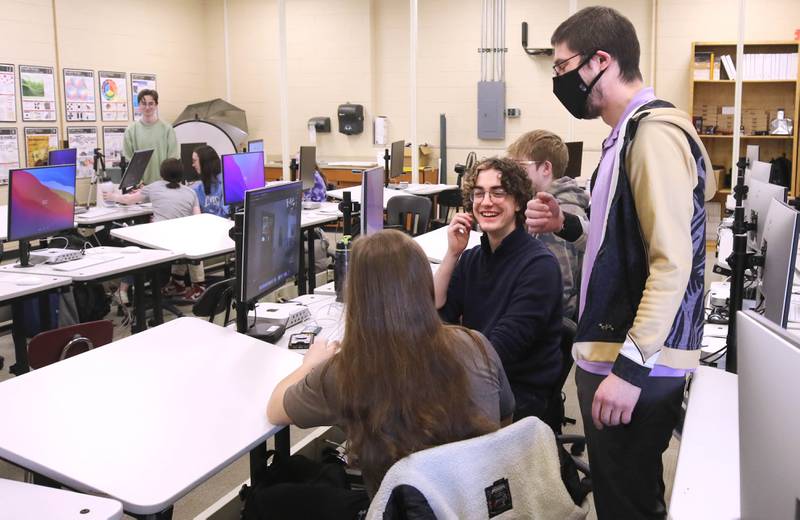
[[166, 514], [140, 323], [312, 268], [158, 311], [258, 462], [20, 341], [301, 272]]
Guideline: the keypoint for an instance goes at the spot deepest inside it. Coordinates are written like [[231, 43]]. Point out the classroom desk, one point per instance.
[[14, 286], [146, 419], [94, 217], [23, 500], [123, 262], [427, 190], [195, 237], [309, 219], [434, 243], [707, 475]]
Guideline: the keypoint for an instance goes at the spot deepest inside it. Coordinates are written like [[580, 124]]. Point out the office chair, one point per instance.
[[55, 345], [217, 298], [409, 213], [450, 201], [514, 470]]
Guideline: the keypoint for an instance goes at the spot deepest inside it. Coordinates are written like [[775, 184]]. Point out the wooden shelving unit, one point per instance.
[[767, 95]]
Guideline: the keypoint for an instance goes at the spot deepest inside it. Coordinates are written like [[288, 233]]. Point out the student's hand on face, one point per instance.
[[543, 214], [320, 351], [614, 402], [458, 232]]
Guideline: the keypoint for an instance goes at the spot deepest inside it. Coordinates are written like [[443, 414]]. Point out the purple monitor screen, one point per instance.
[[372, 201], [59, 157], [241, 172], [41, 201]]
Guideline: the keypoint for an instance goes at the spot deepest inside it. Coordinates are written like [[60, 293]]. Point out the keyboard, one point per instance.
[[86, 261]]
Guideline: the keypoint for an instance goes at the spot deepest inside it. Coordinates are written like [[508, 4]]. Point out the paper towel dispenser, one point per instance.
[[320, 124], [351, 118]]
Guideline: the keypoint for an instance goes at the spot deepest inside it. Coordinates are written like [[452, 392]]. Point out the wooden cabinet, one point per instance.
[[762, 95]]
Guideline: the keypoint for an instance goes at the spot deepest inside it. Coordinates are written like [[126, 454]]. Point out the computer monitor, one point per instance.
[[271, 239], [397, 159], [65, 156], [41, 203], [779, 248], [769, 386], [372, 200], [135, 170], [308, 165], [575, 151], [757, 204], [257, 145], [189, 173], [241, 172]]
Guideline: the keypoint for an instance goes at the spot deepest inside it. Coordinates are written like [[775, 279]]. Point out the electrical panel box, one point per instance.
[[491, 110]]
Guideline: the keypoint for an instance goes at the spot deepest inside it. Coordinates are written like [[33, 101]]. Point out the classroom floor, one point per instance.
[[221, 488]]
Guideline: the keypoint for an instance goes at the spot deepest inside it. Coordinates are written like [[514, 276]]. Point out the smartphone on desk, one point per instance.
[[301, 341]]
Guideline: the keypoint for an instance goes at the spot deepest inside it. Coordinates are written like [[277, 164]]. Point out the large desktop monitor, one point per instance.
[[41, 203], [61, 157], [769, 387], [135, 170], [241, 172], [308, 165], [757, 204], [271, 239], [372, 200], [397, 159], [575, 151], [189, 173], [779, 246]]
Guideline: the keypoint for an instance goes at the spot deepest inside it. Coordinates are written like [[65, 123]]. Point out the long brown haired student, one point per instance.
[[401, 381]]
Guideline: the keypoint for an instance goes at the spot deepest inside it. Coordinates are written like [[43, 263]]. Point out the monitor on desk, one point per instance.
[[575, 151], [757, 204], [41, 201], [397, 159], [187, 150], [779, 247], [769, 386], [61, 157], [241, 172], [271, 239], [135, 170], [372, 200], [308, 165], [257, 145]]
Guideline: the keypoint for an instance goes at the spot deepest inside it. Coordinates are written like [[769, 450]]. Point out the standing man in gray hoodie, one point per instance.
[[544, 156]]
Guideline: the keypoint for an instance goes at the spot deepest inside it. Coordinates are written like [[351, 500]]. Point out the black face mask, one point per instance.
[[571, 90]]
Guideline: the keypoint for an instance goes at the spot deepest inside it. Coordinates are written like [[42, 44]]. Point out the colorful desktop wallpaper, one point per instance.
[[241, 172], [41, 201]]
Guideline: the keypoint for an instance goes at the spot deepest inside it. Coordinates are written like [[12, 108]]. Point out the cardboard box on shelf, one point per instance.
[[725, 124], [425, 156]]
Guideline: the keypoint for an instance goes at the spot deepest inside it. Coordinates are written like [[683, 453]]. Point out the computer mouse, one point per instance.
[[131, 249], [28, 280]]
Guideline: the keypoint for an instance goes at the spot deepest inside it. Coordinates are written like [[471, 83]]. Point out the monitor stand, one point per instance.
[[24, 254]]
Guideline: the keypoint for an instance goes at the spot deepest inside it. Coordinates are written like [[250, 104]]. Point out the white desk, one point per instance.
[[196, 237], [22, 500], [434, 243], [413, 189], [327, 212], [707, 476], [97, 215], [147, 418]]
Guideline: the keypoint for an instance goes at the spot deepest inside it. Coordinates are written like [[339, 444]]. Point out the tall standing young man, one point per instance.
[[508, 287], [150, 133], [641, 308]]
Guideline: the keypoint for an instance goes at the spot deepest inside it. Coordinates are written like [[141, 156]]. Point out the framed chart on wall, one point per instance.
[[37, 87], [79, 95], [140, 82], [8, 94], [9, 152], [113, 137], [113, 96], [39, 141], [84, 140]]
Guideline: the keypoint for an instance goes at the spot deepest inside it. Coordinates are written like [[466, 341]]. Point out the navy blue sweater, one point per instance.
[[513, 296]]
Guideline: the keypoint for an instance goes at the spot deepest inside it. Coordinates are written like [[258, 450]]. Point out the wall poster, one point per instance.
[[9, 152], [8, 94], [84, 140], [39, 141], [113, 137], [113, 96], [79, 95], [37, 86]]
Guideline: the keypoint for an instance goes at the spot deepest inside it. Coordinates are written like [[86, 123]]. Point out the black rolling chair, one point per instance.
[[216, 298], [409, 213], [450, 201]]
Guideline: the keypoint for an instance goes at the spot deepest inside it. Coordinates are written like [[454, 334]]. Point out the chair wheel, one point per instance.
[[577, 448]]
